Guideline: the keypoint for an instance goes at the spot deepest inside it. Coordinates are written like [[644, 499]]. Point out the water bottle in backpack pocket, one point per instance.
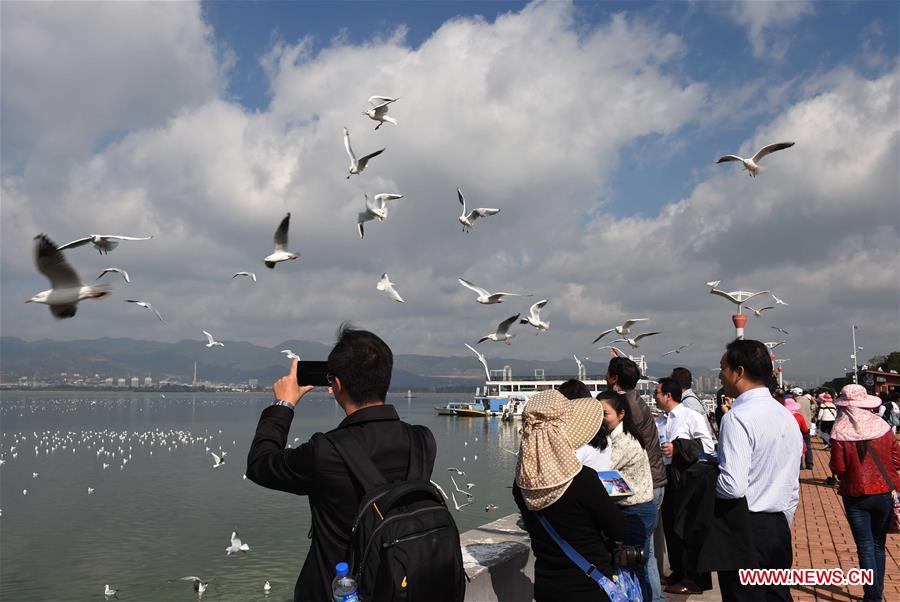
[[343, 587]]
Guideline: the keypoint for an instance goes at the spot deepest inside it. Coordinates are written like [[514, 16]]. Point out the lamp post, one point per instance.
[[853, 328], [781, 371]]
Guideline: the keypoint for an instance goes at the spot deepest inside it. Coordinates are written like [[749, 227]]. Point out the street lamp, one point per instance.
[[853, 329]]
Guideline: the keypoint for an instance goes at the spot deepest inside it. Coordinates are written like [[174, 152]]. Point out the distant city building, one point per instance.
[[135, 382], [121, 382], [148, 382], [253, 382], [108, 381]]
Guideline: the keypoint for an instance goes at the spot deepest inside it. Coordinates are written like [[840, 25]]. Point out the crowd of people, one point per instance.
[[724, 485]]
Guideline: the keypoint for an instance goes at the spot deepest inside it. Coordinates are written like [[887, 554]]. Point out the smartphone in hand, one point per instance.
[[312, 373]]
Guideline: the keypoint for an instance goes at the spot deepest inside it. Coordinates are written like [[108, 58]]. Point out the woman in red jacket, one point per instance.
[[860, 441]]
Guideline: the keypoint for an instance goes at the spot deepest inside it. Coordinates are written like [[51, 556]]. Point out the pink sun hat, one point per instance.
[[856, 396], [791, 405]]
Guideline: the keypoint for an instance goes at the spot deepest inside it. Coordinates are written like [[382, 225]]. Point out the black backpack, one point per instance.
[[404, 544]]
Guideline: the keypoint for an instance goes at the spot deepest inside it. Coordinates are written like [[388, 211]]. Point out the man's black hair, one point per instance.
[[574, 389], [752, 356], [669, 385], [626, 371], [683, 377], [363, 362]]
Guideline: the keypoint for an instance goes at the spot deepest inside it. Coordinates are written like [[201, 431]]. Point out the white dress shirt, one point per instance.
[[684, 423], [690, 400], [595, 458], [759, 454]]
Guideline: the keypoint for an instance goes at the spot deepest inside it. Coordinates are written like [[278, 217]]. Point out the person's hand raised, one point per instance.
[[286, 387]]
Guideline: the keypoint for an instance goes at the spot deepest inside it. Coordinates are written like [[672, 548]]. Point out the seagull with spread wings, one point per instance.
[[376, 208], [146, 305], [781, 330], [199, 584], [468, 219], [116, 270], [357, 165], [752, 164], [677, 350], [281, 240], [486, 297], [502, 333], [758, 312], [379, 110], [778, 301], [634, 342], [623, 329], [387, 286], [66, 287], [773, 344], [251, 275], [481, 359], [104, 243], [534, 317], [211, 342]]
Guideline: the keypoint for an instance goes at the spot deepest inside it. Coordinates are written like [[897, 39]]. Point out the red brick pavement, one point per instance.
[[822, 537]]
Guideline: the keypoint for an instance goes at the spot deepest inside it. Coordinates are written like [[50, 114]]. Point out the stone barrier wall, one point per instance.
[[498, 560]]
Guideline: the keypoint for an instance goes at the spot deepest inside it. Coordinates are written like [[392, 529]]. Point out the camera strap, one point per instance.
[[622, 588]]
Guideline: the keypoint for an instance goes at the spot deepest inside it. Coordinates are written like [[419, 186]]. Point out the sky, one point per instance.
[[593, 127]]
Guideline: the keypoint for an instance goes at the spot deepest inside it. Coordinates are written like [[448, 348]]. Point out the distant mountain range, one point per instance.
[[239, 361]]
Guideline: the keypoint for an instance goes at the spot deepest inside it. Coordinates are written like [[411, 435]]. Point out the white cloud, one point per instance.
[[528, 114], [766, 21]]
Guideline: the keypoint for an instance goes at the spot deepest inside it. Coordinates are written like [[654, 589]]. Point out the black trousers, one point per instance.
[[674, 545], [772, 540]]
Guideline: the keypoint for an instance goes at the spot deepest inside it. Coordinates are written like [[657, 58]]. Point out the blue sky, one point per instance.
[[594, 127]]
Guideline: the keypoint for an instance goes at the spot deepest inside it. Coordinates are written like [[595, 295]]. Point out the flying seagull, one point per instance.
[[613, 350], [386, 285], [146, 305], [379, 110], [634, 342], [376, 208], [736, 297], [467, 219], [456, 504], [777, 300], [250, 274], [481, 359], [752, 164], [66, 288], [623, 329], [713, 284], [677, 350], [117, 270], [236, 545], [104, 243], [488, 298], [211, 342], [217, 459], [502, 333], [758, 312], [289, 354], [534, 317], [357, 165], [281, 239], [781, 330], [199, 584], [773, 344]]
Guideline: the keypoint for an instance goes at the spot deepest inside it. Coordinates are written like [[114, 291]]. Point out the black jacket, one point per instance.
[[316, 470]]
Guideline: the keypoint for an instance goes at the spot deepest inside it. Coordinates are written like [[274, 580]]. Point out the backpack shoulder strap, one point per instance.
[[358, 462], [418, 452]]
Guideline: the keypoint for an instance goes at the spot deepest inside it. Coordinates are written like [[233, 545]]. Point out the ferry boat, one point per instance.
[[463, 408]]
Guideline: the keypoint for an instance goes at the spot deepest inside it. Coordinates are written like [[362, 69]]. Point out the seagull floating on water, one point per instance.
[[758, 312], [376, 208], [236, 545], [267, 587], [211, 342], [108, 591], [534, 317], [634, 342], [199, 584], [281, 239], [67, 289], [387, 286], [752, 164], [489, 507], [146, 305], [481, 359], [104, 243], [502, 333], [677, 350], [468, 219], [379, 111], [250, 274], [623, 329], [487, 298], [117, 270], [357, 165]]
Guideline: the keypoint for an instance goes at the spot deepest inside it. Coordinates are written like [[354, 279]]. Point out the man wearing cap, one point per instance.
[[805, 402], [760, 448]]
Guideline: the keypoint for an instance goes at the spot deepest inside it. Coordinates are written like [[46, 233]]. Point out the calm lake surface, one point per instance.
[[165, 513]]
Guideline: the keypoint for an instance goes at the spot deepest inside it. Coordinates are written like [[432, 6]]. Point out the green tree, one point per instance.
[[888, 362]]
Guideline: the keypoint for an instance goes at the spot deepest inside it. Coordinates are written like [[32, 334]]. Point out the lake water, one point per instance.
[[166, 513]]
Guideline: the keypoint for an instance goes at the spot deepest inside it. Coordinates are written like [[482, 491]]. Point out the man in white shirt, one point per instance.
[[759, 458], [681, 423]]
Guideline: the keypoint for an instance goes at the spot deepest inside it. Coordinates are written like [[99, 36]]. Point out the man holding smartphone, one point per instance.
[[358, 373]]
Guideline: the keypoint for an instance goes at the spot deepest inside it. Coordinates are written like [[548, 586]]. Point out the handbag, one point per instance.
[[894, 525], [623, 587]]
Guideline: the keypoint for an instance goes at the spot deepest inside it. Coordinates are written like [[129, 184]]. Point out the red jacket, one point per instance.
[[864, 478], [801, 422]]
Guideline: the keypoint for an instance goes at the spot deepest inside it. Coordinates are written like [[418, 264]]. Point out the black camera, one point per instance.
[[625, 556]]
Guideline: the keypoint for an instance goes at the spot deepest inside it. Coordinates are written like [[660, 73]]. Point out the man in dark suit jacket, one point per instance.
[[359, 372]]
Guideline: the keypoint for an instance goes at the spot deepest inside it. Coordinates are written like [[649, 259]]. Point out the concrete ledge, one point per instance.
[[498, 560]]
